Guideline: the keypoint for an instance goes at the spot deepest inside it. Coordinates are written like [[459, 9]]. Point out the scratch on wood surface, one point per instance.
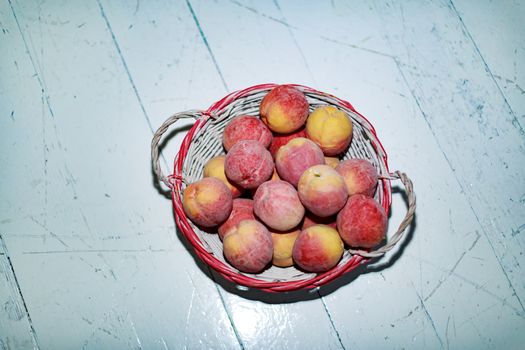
[[471, 318], [81, 251], [108, 332], [164, 344], [188, 315], [511, 82], [205, 41], [429, 317], [310, 32], [51, 233], [137, 338], [261, 14], [518, 230], [453, 269], [476, 285], [446, 332], [125, 66], [294, 39], [331, 321], [37, 74], [14, 285], [45, 150], [493, 249], [515, 121]]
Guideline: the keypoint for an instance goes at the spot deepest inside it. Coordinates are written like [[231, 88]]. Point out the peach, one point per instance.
[[318, 248], [362, 222], [274, 177], [330, 128], [248, 164], [215, 168], [295, 157], [332, 161], [248, 246], [207, 202], [279, 140], [322, 190], [277, 204], [282, 247], [284, 109], [245, 127], [311, 219], [360, 176], [242, 210]]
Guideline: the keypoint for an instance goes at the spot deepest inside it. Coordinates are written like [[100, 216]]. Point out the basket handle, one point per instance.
[[167, 180], [409, 189]]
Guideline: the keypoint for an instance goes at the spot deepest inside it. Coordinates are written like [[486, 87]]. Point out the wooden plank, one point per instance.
[[16, 327], [254, 321], [85, 220], [477, 131], [494, 29]]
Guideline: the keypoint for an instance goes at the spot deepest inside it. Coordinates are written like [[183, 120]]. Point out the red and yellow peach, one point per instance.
[[279, 140], [215, 168], [362, 223], [242, 210], [322, 190], [277, 204], [360, 176], [284, 109], [283, 243], [248, 164], [207, 202], [317, 248], [245, 127], [330, 128], [248, 246], [295, 157]]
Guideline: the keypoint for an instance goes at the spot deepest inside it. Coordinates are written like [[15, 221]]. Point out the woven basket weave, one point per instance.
[[204, 141]]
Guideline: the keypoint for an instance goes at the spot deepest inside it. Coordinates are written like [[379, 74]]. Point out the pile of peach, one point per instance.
[[280, 195]]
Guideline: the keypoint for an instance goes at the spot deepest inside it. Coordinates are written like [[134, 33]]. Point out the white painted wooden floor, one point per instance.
[[89, 253]]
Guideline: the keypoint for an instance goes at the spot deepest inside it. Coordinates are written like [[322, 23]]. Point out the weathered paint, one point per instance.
[[89, 254]]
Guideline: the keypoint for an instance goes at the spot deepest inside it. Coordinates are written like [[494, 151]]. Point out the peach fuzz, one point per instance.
[[274, 177], [332, 161], [245, 127], [242, 210], [295, 157], [282, 247], [277, 204], [248, 246], [318, 248], [322, 190], [248, 164], [282, 139], [215, 168], [311, 220], [360, 176], [362, 223], [207, 202], [330, 128], [284, 109]]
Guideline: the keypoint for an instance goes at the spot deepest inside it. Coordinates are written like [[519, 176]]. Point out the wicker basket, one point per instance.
[[204, 141]]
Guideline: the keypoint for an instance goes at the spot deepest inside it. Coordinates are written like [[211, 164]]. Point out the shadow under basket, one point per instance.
[[204, 141]]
